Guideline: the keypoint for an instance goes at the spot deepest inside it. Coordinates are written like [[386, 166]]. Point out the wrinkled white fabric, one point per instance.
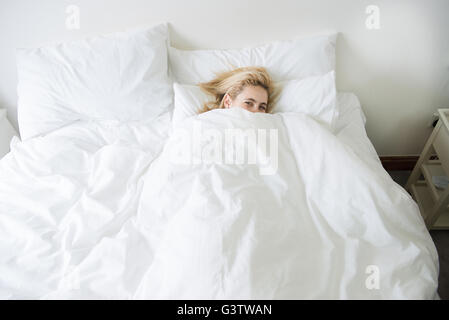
[[98, 210]]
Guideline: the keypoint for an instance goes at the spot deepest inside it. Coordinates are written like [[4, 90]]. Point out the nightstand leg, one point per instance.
[[434, 214], [425, 155]]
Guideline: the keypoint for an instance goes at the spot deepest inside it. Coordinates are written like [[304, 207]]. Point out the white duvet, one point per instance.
[[99, 210]]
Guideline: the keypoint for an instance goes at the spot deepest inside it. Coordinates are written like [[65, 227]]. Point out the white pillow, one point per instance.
[[284, 60], [121, 76], [189, 100], [315, 96]]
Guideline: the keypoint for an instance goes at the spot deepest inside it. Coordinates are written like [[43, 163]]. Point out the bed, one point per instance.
[[95, 208]]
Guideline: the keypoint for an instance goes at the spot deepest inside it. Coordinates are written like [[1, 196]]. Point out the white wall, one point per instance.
[[400, 72]]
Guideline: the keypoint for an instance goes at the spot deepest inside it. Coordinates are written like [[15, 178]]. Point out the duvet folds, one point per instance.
[[227, 205]]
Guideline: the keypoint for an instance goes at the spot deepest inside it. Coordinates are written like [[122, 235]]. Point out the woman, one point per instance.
[[250, 88]]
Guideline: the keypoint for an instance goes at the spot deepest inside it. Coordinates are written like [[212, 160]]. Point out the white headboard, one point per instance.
[[393, 54]]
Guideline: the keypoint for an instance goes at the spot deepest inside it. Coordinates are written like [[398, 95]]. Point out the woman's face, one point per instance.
[[252, 98]]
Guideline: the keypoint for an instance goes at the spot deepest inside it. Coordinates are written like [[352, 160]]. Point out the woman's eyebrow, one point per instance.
[[254, 100]]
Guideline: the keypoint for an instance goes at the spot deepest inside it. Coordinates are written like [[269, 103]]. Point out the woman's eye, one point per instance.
[[247, 102], [262, 108]]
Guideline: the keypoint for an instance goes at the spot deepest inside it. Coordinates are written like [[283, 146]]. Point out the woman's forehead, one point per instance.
[[256, 93]]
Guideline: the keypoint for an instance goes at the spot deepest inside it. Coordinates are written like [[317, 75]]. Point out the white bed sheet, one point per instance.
[[86, 212], [350, 126]]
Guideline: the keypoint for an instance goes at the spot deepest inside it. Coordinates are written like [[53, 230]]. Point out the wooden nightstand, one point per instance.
[[434, 162], [6, 133]]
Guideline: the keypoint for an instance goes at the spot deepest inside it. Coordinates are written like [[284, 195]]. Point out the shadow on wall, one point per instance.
[[12, 118]]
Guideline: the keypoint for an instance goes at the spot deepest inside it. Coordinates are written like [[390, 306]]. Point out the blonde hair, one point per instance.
[[233, 82]]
